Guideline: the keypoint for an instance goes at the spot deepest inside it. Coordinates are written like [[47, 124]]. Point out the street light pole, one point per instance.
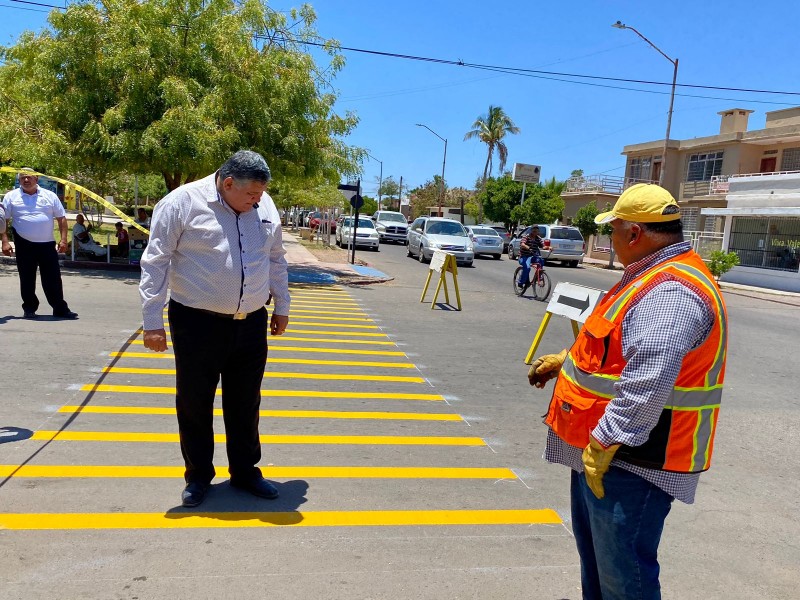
[[380, 179], [621, 25], [444, 160]]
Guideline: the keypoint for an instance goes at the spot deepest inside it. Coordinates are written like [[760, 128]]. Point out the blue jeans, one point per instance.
[[526, 262], [618, 536]]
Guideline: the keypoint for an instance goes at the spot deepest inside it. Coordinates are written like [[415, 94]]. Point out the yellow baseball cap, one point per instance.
[[642, 203]]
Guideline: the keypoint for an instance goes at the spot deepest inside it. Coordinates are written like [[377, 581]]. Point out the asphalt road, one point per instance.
[[364, 500]]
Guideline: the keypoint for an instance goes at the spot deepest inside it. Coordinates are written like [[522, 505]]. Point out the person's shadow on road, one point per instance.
[[228, 504]]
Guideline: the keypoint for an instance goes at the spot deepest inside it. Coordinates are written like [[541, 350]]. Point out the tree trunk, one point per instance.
[[485, 177], [172, 180]]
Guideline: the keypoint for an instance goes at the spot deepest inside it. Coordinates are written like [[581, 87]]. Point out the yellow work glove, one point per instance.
[[596, 461], [546, 368]]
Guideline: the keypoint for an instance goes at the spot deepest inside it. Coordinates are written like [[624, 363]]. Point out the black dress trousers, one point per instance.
[[209, 348], [41, 255]]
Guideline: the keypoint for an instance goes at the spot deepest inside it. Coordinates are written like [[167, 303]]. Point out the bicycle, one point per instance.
[[539, 280]]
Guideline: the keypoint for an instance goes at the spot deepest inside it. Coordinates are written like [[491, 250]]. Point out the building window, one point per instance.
[[790, 161], [766, 243], [639, 168], [702, 167]]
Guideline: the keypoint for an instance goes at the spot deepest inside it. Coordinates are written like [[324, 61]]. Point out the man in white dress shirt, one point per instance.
[[216, 244], [32, 210]]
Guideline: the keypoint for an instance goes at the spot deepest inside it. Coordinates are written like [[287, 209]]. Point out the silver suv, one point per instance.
[[392, 226], [560, 243], [429, 234]]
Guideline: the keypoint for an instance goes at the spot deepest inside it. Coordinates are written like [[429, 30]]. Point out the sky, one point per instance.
[[563, 125]]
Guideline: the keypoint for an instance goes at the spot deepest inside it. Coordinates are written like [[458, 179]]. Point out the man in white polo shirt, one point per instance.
[[31, 210]]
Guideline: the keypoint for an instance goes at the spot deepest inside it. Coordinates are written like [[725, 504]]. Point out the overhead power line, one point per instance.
[[518, 70]]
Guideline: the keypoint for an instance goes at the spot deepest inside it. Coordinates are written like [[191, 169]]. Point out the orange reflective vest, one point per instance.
[[683, 438]]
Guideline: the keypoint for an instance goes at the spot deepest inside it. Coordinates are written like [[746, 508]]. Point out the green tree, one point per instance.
[[370, 206], [542, 205], [389, 190], [173, 87], [491, 129], [498, 198], [584, 220]]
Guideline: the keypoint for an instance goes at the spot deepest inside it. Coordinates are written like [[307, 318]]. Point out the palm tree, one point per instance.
[[491, 128]]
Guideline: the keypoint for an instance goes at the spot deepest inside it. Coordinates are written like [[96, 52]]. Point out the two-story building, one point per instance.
[[738, 190]]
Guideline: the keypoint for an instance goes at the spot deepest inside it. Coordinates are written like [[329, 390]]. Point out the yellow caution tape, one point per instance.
[[85, 192]]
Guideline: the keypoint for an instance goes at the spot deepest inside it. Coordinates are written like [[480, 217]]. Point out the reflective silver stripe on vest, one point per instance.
[[596, 384], [603, 386], [702, 439]]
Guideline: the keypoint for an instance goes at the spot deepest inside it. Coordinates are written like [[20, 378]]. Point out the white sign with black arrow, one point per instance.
[[574, 301]]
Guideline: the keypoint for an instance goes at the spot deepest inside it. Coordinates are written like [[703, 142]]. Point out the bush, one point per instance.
[[722, 262]]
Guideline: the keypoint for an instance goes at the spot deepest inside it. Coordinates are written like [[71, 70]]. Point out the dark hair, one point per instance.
[[245, 165], [672, 227]]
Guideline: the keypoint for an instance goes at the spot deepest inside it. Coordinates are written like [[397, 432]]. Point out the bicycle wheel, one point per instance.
[[518, 290], [542, 285]]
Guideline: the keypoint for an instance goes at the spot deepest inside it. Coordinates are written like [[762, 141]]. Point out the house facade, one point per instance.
[[738, 190]]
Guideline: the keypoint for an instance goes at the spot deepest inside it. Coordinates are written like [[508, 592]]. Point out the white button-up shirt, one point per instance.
[[33, 214], [212, 258]]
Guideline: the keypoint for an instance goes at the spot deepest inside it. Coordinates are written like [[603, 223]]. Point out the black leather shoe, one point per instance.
[[66, 315], [194, 494], [258, 487], [29, 314]]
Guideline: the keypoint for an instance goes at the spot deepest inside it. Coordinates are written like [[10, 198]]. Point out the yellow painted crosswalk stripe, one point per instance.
[[141, 389], [322, 304], [275, 342], [315, 314], [272, 472], [360, 440], [283, 375], [287, 361], [272, 347], [342, 325], [315, 332], [282, 414], [197, 520]]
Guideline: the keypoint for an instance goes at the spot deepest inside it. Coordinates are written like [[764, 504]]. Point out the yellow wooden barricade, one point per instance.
[[442, 262]]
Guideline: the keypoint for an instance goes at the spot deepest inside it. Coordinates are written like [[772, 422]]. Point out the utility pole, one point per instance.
[[399, 194]]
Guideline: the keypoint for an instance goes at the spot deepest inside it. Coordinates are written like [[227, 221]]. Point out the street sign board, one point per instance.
[[526, 173], [574, 301], [356, 201]]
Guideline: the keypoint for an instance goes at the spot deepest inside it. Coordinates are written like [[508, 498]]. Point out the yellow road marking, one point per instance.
[[272, 472], [140, 389], [345, 325], [282, 375], [282, 414], [314, 316], [365, 440], [337, 350], [295, 311], [355, 518], [323, 304], [272, 347], [287, 338], [315, 332]]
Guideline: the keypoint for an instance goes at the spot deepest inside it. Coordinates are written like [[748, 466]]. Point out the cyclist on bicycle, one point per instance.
[[529, 253]]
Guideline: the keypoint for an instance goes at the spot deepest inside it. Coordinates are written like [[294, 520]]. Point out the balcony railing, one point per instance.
[[609, 184], [720, 184]]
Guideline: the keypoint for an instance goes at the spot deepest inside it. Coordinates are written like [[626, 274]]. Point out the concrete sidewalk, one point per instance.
[[304, 267]]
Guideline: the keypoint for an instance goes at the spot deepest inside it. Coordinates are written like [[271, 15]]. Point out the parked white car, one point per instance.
[[366, 234], [485, 240], [392, 226], [428, 234]]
